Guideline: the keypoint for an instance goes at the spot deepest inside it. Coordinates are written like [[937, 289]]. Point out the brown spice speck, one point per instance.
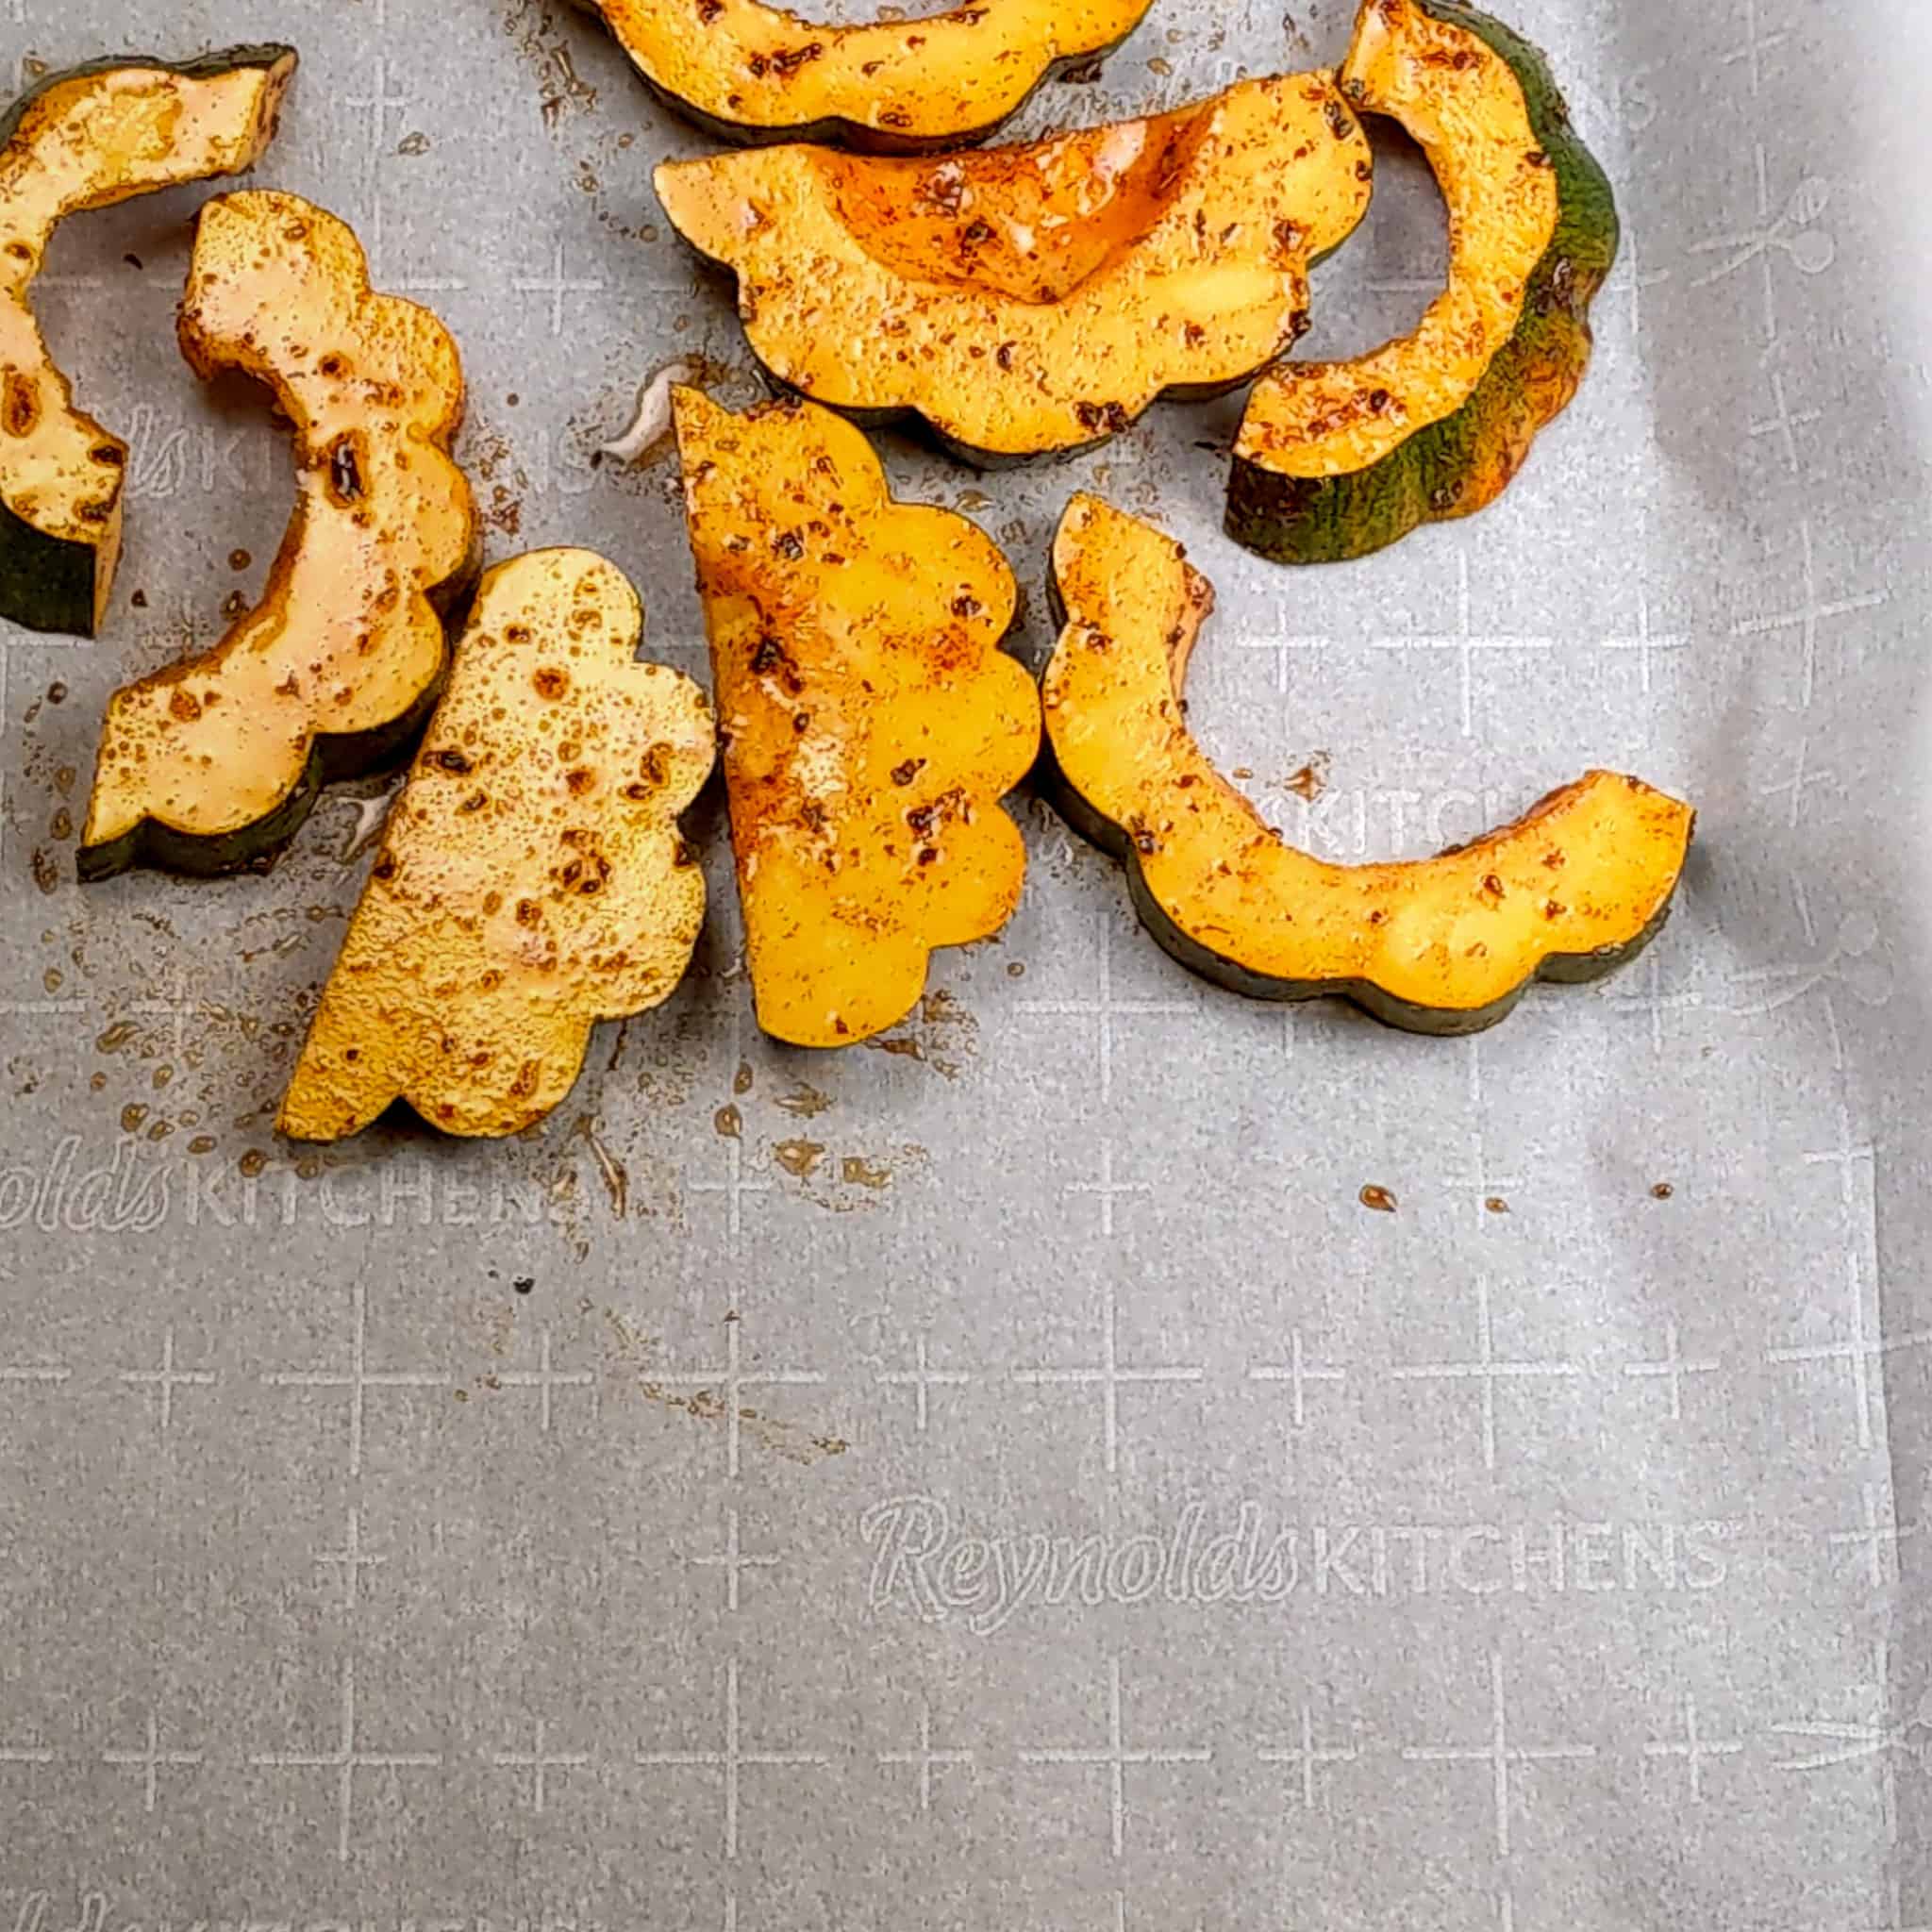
[[1662, 1190], [800, 1157], [1380, 1199], [728, 1123]]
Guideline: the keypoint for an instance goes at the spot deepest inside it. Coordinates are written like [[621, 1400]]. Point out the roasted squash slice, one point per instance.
[[85, 139], [749, 73], [212, 764], [531, 879], [1036, 299], [1335, 460], [871, 722], [1571, 890]]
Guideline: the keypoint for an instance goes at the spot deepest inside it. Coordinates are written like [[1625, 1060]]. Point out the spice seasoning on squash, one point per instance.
[[745, 72], [1335, 460], [212, 764], [1036, 299], [83, 140], [871, 832], [1438, 945], [531, 879]]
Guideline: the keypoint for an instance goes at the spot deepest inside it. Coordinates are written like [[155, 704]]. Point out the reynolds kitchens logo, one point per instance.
[[925, 1565]]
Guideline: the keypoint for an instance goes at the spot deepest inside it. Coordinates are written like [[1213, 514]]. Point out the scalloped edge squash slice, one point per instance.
[[1335, 460], [1574, 889], [212, 764], [82, 140], [748, 73], [870, 720], [1035, 300], [532, 879]]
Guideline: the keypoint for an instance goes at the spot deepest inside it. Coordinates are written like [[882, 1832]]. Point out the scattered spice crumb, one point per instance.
[[800, 1157], [1496, 1204], [860, 1172], [525, 1284], [1312, 780], [805, 1103], [239, 560], [740, 1081], [1016, 968], [1380, 1199], [728, 1123], [1662, 1192]]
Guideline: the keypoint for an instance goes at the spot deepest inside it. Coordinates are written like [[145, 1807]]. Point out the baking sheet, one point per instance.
[[1009, 1478]]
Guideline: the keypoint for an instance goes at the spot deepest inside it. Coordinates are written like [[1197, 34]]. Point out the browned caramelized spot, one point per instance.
[[346, 472], [20, 403]]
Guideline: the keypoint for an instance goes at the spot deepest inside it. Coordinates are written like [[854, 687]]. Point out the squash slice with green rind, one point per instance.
[[1035, 300], [870, 720], [212, 764], [1335, 460], [745, 72], [1575, 888], [83, 140], [532, 879]]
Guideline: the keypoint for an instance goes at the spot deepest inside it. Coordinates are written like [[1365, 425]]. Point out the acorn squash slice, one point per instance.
[[1036, 299], [1335, 460], [83, 140], [1571, 890], [871, 722], [748, 73], [212, 764], [532, 879]]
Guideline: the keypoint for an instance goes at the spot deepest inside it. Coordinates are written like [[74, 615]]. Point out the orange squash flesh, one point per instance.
[[532, 879], [1569, 891], [871, 722], [746, 72], [1036, 299], [83, 140], [214, 764]]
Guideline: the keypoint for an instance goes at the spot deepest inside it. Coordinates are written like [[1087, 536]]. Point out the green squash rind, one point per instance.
[[1442, 1023], [1333, 519], [46, 583]]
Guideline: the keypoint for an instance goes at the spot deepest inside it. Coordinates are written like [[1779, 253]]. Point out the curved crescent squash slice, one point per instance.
[[212, 764], [83, 140], [1569, 891], [1335, 460], [1036, 299], [871, 722], [749, 73], [531, 879]]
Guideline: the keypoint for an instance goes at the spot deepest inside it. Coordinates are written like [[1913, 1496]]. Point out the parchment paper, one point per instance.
[[1010, 1478]]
